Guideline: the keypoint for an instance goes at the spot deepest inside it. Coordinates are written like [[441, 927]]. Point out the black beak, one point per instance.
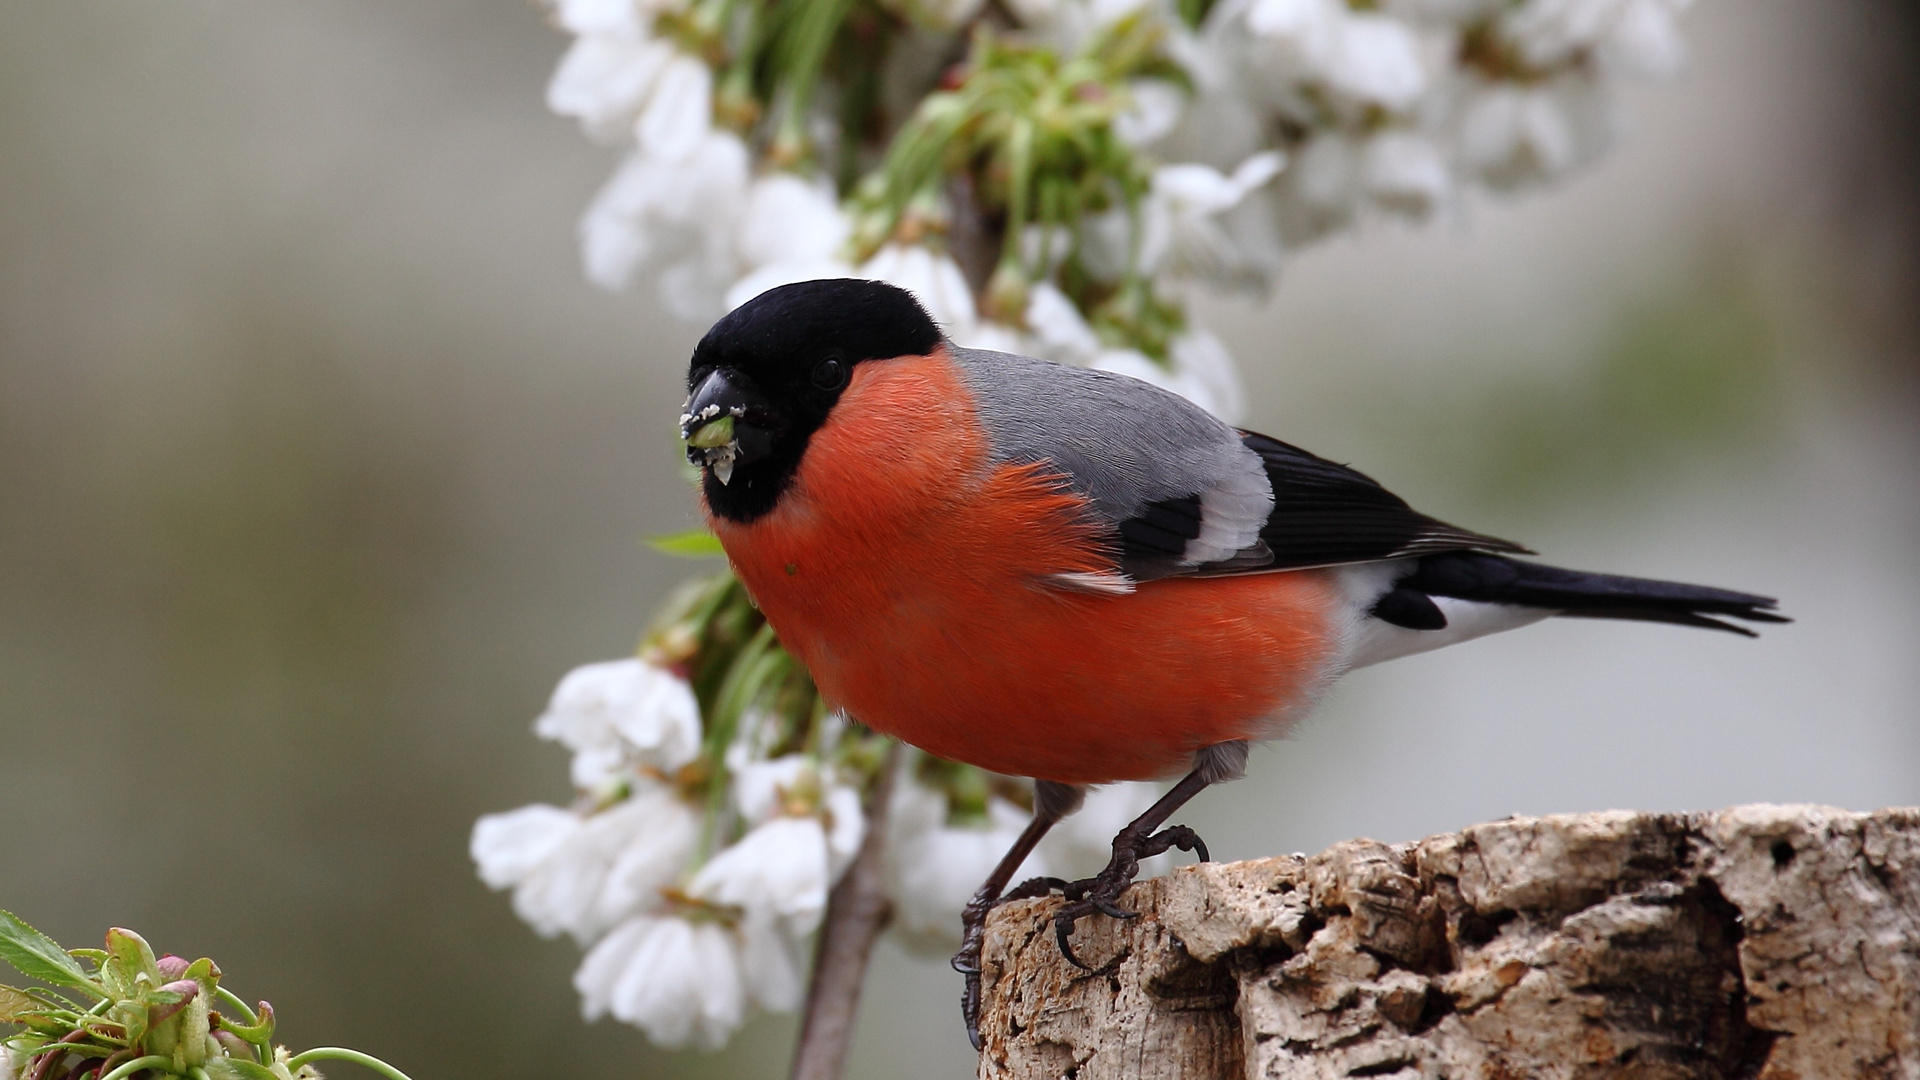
[[726, 424]]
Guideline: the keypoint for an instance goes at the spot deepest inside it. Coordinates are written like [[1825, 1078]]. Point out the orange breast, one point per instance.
[[906, 569]]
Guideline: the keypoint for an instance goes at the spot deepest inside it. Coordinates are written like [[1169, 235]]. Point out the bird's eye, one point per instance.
[[830, 374]]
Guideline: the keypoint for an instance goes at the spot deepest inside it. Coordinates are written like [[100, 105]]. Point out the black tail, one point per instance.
[[1496, 579]]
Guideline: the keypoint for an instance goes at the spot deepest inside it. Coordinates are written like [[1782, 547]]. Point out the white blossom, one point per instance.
[[600, 16], [932, 277], [800, 786], [584, 877], [1444, 13], [621, 714], [771, 963], [780, 869], [1376, 104], [1635, 37], [788, 219], [1320, 191], [677, 213], [932, 868], [1154, 108], [1058, 328], [1511, 135], [1374, 59], [993, 337], [1200, 369], [1199, 366], [1335, 177], [1068, 24], [1183, 229], [1081, 844], [676, 979], [508, 847], [679, 113], [762, 789], [654, 857], [1406, 173], [846, 826], [1360, 57], [784, 273], [1645, 41], [1037, 12], [604, 81]]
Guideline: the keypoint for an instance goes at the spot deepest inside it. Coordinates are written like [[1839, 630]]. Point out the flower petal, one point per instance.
[[508, 847], [679, 113], [934, 279], [779, 869]]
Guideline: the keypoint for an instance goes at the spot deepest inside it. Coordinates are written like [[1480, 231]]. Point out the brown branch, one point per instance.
[[857, 910]]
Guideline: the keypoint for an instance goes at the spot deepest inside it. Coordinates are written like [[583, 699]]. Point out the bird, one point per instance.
[[1072, 575]]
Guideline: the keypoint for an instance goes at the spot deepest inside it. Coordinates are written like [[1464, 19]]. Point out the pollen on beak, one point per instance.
[[725, 424], [714, 445]]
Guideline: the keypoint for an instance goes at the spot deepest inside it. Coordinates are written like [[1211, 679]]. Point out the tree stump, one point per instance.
[[1770, 942]]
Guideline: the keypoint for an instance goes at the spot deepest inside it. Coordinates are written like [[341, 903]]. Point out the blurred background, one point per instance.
[[320, 463]]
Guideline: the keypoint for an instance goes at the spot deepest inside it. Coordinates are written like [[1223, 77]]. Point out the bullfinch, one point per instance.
[[1072, 575]]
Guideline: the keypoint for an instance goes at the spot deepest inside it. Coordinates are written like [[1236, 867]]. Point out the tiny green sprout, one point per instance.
[[712, 434], [153, 1017]]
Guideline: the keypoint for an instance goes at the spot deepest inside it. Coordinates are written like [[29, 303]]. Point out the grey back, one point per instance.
[[1125, 444]]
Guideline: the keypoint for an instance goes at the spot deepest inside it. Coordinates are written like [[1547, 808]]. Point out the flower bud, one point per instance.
[[235, 1046], [186, 988]]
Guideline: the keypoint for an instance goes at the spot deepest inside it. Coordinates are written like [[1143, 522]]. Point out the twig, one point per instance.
[[857, 910]]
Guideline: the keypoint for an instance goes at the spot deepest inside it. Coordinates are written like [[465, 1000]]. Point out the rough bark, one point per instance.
[[1769, 942]]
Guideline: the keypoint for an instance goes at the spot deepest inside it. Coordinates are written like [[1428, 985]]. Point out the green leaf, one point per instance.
[[205, 972], [695, 544], [131, 957], [38, 956], [16, 1004]]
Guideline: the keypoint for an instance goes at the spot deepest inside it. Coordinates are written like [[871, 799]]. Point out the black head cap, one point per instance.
[[777, 364]]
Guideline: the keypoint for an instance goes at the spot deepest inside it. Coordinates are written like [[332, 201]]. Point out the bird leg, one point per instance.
[[1143, 838], [1051, 802]]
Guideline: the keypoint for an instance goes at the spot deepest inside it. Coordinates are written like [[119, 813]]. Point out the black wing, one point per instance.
[[1324, 514]]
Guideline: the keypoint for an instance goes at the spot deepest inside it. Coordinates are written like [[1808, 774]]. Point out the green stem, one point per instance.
[[811, 37], [1019, 178], [341, 1053], [228, 997], [151, 1061], [1050, 199], [257, 1033]]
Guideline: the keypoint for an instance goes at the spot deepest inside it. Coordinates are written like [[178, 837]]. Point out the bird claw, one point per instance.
[[1074, 911], [973, 923], [1175, 836], [1099, 894]]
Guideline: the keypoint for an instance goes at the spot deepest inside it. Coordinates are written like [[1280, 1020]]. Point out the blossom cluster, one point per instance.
[[693, 868], [1054, 176]]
